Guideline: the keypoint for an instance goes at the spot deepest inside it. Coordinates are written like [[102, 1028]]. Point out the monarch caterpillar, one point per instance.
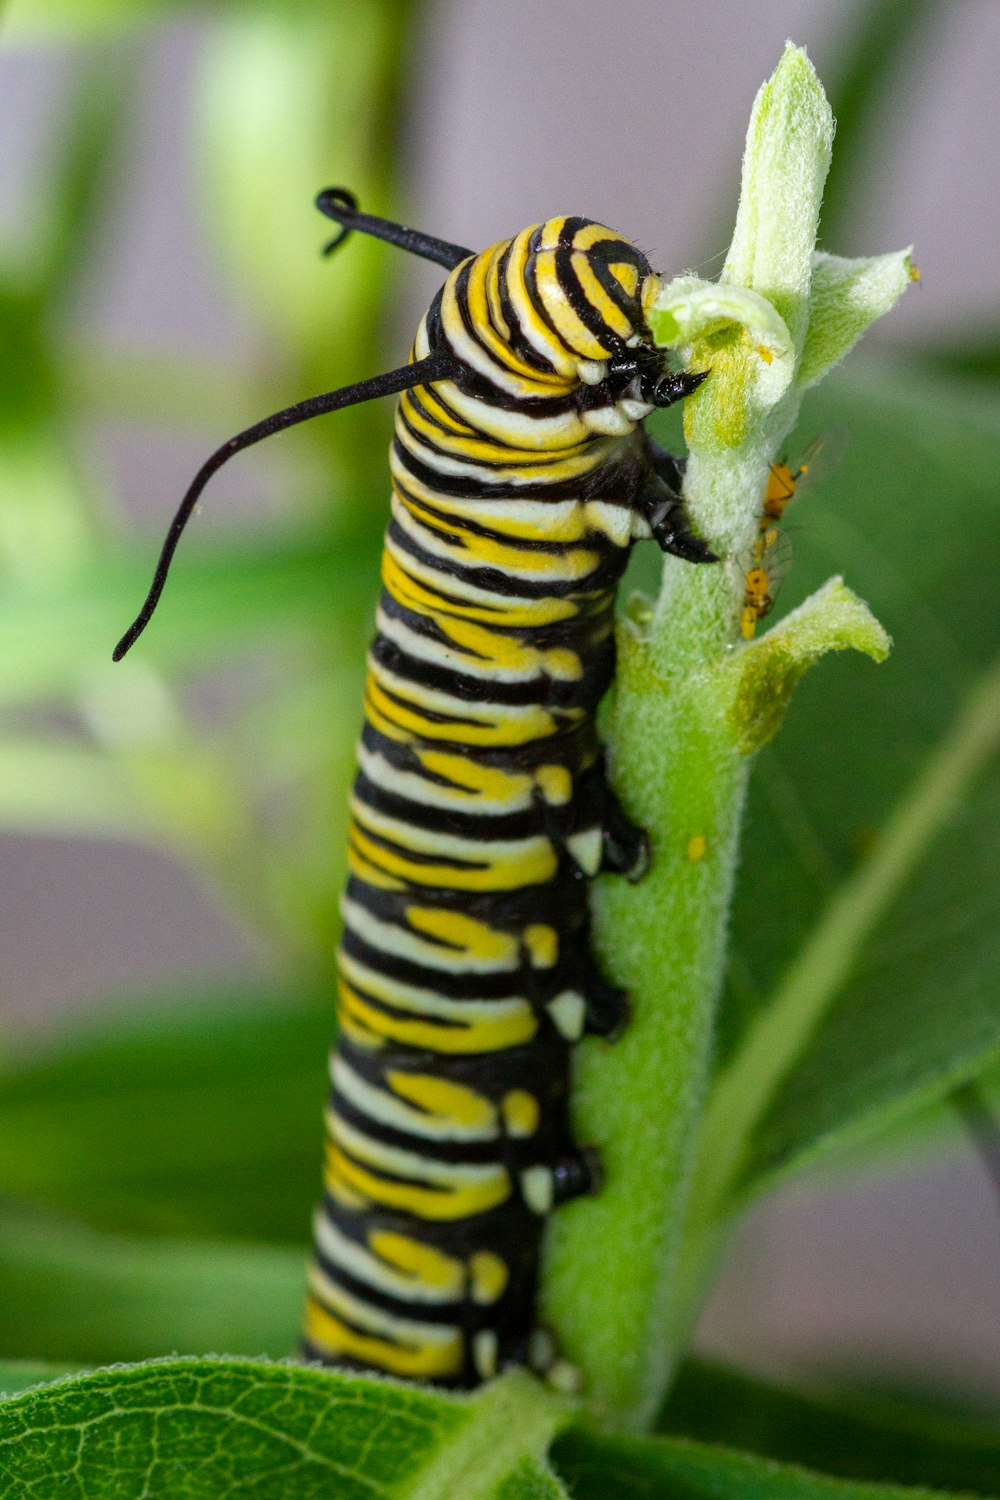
[[521, 474]]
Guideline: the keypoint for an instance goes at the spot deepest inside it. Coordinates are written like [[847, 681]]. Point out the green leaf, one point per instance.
[[737, 418], [768, 670], [931, 1135], [531, 1481], [75, 188], [207, 1428], [65, 20], [873, 818], [292, 99], [845, 298], [289, 101], [77, 1297], [785, 165], [850, 1434], [44, 531], [200, 1118], [687, 309], [55, 21], [676, 1469], [970, 351]]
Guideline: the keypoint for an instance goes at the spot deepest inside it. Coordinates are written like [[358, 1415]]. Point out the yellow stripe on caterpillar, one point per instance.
[[495, 1030], [434, 1203], [428, 1362], [422, 1275]]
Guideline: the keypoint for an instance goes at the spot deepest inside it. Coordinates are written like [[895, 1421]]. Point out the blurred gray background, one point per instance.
[[517, 111]]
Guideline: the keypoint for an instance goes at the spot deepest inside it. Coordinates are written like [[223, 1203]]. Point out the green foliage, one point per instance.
[[75, 1296], [192, 1120], [648, 1468], [212, 1427], [20, 1374], [693, 701], [871, 889], [852, 1434], [209, 1428], [881, 839], [157, 1176]]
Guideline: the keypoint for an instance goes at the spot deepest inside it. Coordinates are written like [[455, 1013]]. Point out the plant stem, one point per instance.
[[611, 1257]]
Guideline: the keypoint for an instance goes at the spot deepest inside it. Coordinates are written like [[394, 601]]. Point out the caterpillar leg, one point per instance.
[[659, 504], [668, 521], [671, 388], [667, 466], [625, 847], [603, 838], [585, 1004], [574, 1174], [539, 1352]]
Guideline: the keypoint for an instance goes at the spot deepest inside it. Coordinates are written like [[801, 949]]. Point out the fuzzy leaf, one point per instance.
[[687, 309], [785, 164], [769, 670], [689, 312], [204, 1428], [18, 1375], [846, 297]]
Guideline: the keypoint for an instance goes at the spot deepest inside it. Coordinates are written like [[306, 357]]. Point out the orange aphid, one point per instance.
[[770, 559]]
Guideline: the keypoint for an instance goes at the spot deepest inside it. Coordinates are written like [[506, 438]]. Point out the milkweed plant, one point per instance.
[[677, 1119]]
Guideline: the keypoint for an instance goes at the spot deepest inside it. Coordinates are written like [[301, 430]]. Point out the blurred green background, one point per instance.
[[172, 828]]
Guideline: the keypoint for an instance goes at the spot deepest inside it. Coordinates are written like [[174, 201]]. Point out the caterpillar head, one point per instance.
[[582, 305], [556, 315]]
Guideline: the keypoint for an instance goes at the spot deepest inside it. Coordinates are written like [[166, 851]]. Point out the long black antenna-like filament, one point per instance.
[[422, 372], [342, 207]]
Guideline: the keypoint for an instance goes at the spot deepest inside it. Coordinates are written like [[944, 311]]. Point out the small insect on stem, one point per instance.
[[770, 561], [766, 563]]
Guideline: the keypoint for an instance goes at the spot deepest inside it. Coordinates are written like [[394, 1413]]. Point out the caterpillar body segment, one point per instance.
[[481, 805]]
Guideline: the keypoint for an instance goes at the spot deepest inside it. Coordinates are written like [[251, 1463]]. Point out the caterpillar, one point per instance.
[[521, 474]]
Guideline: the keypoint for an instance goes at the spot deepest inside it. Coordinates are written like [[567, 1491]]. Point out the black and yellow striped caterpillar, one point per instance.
[[521, 474]]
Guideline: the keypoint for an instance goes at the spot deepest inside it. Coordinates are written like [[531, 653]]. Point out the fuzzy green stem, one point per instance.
[[607, 1285]]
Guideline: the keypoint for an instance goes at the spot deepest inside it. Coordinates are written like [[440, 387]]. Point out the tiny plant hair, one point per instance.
[[521, 474]]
